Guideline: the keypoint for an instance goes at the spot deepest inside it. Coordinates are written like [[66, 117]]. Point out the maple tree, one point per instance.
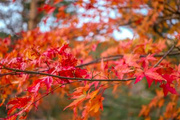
[[43, 63]]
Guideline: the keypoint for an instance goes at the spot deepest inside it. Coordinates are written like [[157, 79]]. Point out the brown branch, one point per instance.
[[92, 62], [115, 57], [16, 73], [63, 77], [10, 73]]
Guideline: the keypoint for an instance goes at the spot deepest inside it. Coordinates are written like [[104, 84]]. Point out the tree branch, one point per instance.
[[115, 57], [62, 77], [92, 62]]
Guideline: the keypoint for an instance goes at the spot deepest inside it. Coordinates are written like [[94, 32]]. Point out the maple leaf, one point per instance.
[[93, 94], [2, 102], [139, 76], [150, 75], [146, 60], [167, 88], [121, 68], [77, 101], [47, 81], [170, 78], [131, 60], [93, 105], [80, 72], [34, 89], [18, 103], [38, 83], [150, 81], [47, 8], [57, 1], [63, 48], [144, 111]]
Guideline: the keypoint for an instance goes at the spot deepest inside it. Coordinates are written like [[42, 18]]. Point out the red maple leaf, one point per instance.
[[150, 74], [17, 103], [167, 88]]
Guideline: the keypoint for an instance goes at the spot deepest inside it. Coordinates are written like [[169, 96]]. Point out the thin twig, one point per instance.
[[52, 91], [116, 57], [164, 56], [10, 73]]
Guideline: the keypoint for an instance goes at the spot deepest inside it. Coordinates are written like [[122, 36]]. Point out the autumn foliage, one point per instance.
[[41, 63]]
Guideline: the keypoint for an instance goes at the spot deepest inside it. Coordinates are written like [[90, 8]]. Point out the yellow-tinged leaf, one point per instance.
[[94, 93], [77, 101], [144, 111], [95, 107], [2, 102]]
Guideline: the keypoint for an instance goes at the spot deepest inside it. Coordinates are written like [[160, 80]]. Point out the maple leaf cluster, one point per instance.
[[31, 70], [47, 58]]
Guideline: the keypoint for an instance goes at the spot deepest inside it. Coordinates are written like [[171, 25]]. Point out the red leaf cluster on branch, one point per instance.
[[45, 68]]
